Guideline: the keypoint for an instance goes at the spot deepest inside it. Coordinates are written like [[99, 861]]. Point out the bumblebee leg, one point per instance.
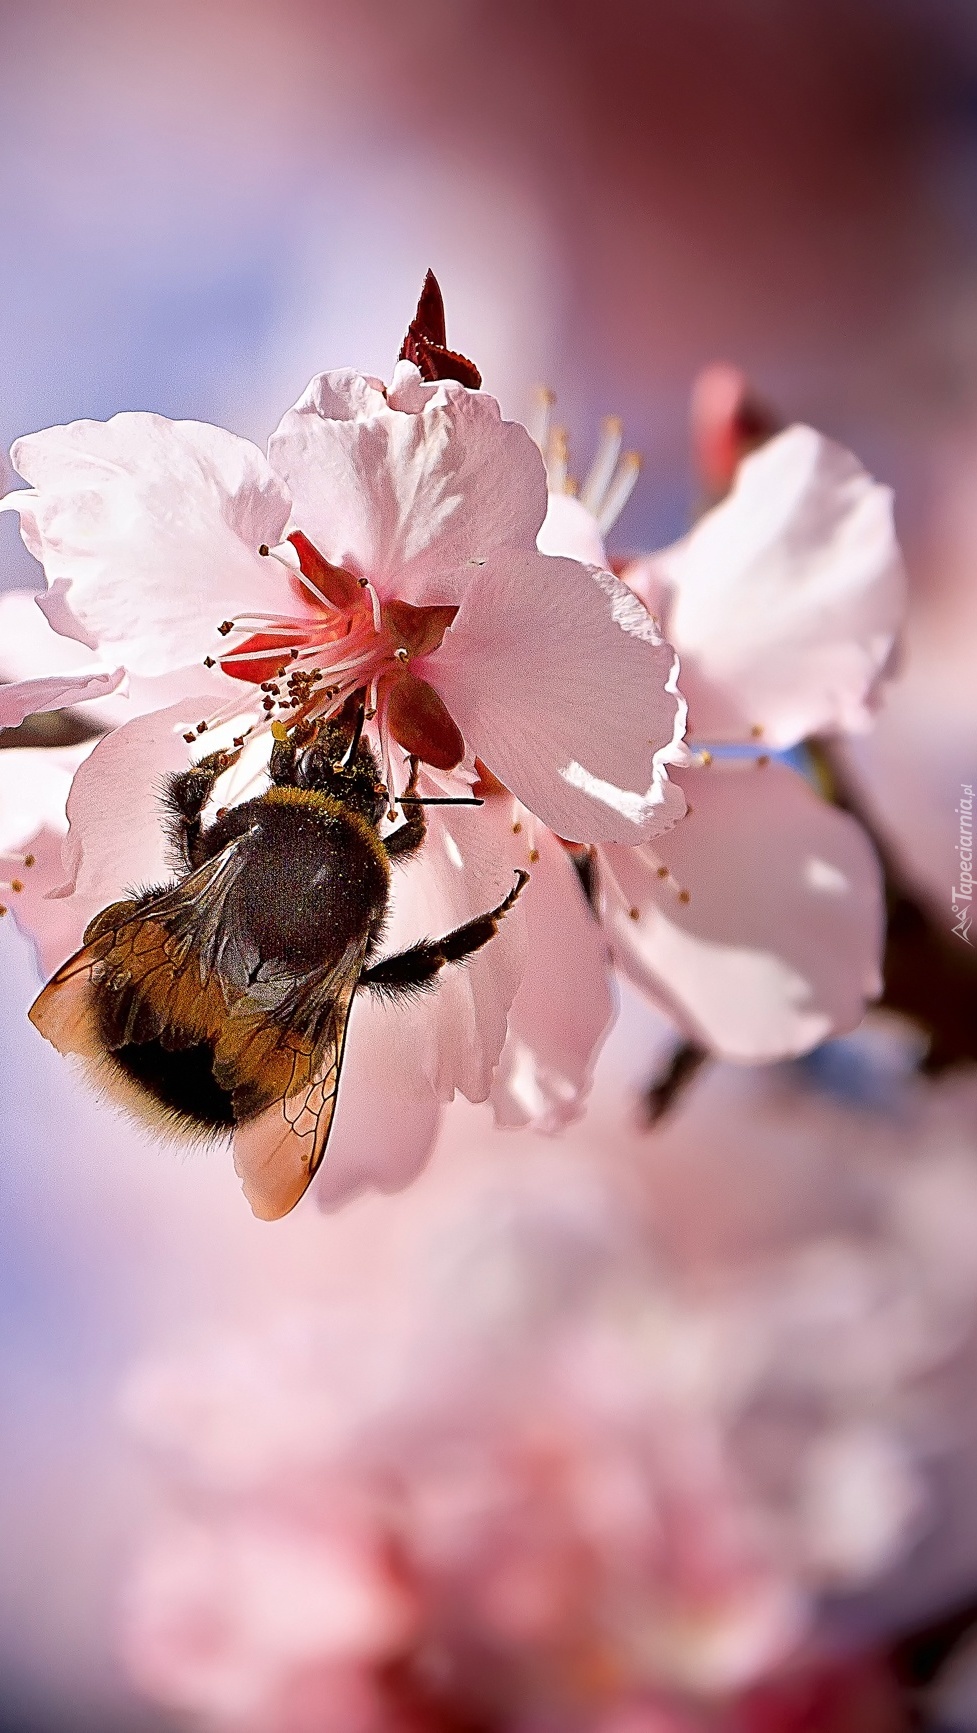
[[412, 970], [401, 843], [184, 797]]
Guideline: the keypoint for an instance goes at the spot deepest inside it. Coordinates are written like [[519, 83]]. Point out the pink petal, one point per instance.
[[150, 529], [408, 498], [388, 1116], [785, 600], [563, 687], [31, 645], [779, 944], [467, 866], [26, 697], [569, 529], [564, 1005], [115, 840]]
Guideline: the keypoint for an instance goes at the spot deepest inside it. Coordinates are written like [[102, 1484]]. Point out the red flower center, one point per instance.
[[347, 642]]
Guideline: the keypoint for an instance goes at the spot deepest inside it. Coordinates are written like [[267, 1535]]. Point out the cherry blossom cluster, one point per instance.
[[626, 733]]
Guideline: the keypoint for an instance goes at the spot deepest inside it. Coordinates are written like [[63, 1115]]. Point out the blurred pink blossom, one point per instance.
[[602, 1476]]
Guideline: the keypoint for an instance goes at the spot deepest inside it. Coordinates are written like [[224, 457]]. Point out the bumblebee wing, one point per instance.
[[149, 938], [278, 1153]]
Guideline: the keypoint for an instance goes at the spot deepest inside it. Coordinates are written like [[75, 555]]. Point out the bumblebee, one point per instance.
[[218, 1004]]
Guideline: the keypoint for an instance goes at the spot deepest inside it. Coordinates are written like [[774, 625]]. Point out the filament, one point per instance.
[[593, 494], [619, 491]]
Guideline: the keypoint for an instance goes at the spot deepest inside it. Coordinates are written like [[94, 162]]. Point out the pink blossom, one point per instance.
[[403, 525], [757, 924]]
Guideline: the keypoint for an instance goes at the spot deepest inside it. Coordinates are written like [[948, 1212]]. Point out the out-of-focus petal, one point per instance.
[[564, 1005], [570, 530], [575, 708], [23, 698], [408, 499], [785, 600], [779, 944], [151, 529], [34, 786]]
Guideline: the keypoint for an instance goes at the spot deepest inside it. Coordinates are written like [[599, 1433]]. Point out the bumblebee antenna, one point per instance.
[[440, 800], [352, 749]]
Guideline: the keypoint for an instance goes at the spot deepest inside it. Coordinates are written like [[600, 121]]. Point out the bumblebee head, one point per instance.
[[339, 762]]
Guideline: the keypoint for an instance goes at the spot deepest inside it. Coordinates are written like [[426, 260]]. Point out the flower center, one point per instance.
[[345, 642]]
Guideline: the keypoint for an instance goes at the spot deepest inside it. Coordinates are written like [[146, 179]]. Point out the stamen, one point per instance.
[[594, 491], [275, 654], [365, 584], [540, 417], [619, 492], [294, 570], [557, 460]]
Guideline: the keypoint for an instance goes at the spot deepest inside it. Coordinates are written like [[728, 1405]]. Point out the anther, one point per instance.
[[29, 860], [663, 872], [634, 914], [209, 662], [16, 885], [685, 896], [201, 727], [756, 732], [534, 856], [763, 760], [189, 738], [705, 758], [517, 827], [401, 654], [225, 627]]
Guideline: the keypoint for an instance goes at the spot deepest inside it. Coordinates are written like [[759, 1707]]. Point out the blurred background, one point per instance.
[[205, 204]]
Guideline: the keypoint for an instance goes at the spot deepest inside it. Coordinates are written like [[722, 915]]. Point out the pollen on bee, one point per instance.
[[279, 732]]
